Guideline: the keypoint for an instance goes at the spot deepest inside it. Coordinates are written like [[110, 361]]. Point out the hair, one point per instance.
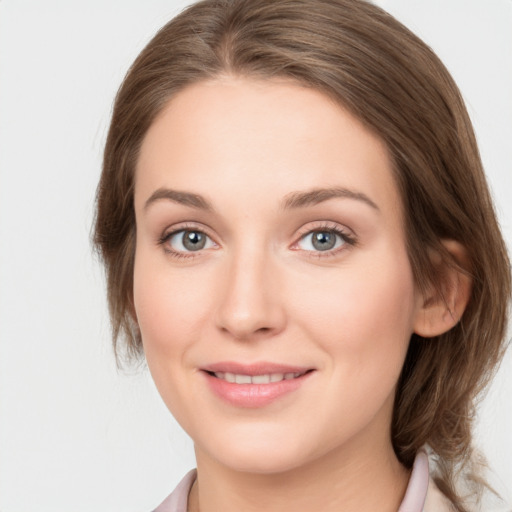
[[372, 65]]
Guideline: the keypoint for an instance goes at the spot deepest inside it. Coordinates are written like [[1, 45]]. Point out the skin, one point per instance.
[[260, 291]]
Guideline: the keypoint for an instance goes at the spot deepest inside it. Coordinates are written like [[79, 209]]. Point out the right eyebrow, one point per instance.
[[177, 196]]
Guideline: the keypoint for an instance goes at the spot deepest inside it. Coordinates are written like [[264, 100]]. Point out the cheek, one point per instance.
[[171, 312], [170, 306], [362, 316]]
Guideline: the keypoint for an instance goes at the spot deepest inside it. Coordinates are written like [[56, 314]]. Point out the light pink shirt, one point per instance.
[[421, 495]]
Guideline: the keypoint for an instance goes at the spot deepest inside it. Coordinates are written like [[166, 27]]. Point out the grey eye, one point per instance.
[[193, 240], [321, 241], [190, 241]]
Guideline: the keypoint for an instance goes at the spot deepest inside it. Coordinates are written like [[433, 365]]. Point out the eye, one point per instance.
[[187, 240], [322, 240]]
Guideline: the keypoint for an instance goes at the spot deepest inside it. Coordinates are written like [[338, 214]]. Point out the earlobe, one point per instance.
[[447, 300]]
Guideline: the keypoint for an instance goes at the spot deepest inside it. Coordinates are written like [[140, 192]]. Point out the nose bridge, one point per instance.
[[250, 303]]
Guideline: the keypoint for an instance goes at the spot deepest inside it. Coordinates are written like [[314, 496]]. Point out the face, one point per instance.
[[272, 285]]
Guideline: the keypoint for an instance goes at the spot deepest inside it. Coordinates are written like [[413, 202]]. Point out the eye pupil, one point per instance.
[[323, 240], [193, 240]]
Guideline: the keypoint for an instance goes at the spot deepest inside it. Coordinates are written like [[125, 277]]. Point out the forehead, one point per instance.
[[243, 137]]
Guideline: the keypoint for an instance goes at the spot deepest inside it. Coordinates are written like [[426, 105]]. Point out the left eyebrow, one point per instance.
[[319, 195], [179, 197]]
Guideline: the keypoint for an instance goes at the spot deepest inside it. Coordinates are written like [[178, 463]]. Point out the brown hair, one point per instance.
[[366, 60]]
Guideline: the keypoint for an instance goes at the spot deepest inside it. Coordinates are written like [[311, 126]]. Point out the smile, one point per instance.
[[238, 378], [255, 385]]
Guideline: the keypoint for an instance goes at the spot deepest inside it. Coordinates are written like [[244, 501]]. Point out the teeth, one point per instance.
[[256, 379], [243, 379], [260, 379]]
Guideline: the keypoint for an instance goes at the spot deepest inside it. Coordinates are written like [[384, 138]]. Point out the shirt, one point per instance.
[[421, 495]]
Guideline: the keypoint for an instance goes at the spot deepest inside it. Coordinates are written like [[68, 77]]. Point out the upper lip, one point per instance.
[[259, 368]]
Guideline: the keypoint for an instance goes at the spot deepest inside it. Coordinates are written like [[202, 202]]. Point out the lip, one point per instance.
[[259, 368], [253, 395]]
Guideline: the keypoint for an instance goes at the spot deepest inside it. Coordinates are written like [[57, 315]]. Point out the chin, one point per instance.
[[263, 464], [258, 452]]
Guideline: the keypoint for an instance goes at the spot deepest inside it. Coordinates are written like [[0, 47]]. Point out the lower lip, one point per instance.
[[253, 395]]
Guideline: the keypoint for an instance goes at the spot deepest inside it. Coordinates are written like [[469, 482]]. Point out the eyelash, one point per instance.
[[349, 240], [167, 235]]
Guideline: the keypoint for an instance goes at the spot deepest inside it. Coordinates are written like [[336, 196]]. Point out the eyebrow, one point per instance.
[[319, 195], [291, 201], [176, 196]]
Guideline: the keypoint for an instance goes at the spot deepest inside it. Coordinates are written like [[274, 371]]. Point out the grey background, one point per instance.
[[75, 434]]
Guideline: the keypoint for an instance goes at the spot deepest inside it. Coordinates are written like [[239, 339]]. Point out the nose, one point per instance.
[[250, 305]]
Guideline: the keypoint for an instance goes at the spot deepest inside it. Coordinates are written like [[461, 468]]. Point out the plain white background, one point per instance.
[[75, 434]]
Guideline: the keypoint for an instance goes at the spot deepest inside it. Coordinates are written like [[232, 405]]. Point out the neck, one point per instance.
[[353, 479]]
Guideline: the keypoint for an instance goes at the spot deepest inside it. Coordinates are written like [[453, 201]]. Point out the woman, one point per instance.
[[298, 235]]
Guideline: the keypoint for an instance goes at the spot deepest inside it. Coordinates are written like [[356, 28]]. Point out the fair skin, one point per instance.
[[243, 267]]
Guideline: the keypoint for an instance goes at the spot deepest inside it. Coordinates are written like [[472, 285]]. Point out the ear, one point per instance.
[[443, 306]]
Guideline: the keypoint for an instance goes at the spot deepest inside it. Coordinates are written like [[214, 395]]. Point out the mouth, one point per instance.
[[265, 378], [256, 385]]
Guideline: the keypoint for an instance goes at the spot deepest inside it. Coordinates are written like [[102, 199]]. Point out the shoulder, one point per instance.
[[177, 501]]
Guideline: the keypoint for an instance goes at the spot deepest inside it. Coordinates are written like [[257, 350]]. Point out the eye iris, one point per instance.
[[193, 240], [323, 240]]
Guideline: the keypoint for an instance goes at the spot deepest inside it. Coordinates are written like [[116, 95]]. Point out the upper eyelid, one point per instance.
[[186, 226], [325, 226]]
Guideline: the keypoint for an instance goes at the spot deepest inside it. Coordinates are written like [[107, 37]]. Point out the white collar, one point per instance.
[[414, 499], [416, 493]]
